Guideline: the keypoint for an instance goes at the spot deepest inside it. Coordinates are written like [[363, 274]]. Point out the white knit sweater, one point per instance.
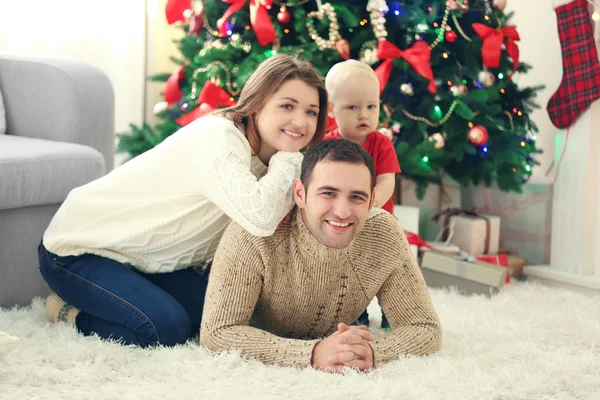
[[168, 208]]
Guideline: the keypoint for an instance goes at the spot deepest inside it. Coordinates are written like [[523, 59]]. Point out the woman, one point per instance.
[[120, 252]]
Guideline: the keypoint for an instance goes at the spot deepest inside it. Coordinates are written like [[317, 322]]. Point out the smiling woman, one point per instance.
[[150, 246]]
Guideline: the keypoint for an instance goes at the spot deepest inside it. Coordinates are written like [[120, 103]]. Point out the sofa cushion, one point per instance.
[[2, 116], [36, 172]]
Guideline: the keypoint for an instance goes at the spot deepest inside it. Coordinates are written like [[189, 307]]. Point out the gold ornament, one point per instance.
[[486, 78], [326, 10], [459, 90], [500, 4], [160, 107], [387, 132], [407, 89], [368, 53], [439, 140]]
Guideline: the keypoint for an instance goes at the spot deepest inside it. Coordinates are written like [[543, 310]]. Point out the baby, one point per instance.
[[353, 90]]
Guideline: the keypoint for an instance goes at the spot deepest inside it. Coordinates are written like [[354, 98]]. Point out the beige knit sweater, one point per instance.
[[274, 298]]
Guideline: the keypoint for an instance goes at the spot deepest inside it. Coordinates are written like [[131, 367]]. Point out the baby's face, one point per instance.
[[356, 107]]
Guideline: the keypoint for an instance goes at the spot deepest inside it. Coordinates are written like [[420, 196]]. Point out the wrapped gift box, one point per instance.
[[526, 217], [408, 217], [497, 259], [469, 276], [436, 198], [475, 234]]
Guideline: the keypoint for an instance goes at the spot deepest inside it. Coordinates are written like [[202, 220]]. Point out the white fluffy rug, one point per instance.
[[528, 342]]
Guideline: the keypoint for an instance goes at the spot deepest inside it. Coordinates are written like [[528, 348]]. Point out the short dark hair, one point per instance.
[[340, 150]]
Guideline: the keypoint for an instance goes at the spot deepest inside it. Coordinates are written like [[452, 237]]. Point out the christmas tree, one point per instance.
[[447, 67]]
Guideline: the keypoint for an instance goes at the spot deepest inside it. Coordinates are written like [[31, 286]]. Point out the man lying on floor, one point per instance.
[[287, 299]]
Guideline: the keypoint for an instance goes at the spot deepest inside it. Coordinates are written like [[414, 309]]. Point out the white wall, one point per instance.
[[109, 34], [536, 22]]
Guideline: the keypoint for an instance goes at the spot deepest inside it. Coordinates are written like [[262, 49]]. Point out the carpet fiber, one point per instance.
[[528, 342]]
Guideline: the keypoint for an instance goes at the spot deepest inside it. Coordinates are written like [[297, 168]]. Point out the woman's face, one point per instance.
[[288, 120]]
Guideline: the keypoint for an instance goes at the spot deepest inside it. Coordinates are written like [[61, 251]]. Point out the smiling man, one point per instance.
[[287, 299]]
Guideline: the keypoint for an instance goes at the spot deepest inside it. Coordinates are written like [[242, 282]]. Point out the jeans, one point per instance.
[[120, 303]]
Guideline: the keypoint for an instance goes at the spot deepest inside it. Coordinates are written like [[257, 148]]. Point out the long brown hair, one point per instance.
[[266, 80]]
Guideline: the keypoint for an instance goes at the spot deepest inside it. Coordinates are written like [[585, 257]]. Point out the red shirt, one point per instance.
[[384, 156]]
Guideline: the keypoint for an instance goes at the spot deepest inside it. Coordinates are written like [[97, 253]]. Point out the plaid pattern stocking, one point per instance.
[[580, 84]]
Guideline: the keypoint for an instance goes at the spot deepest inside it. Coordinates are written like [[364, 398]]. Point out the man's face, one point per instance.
[[336, 202]]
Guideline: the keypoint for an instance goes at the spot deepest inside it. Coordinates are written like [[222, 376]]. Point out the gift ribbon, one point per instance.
[[454, 212], [259, 18], [417, 57], [415, 239], [492, 44], [211, 97]]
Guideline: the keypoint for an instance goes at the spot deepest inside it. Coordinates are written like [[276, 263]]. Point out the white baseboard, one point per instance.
[[547, 275]]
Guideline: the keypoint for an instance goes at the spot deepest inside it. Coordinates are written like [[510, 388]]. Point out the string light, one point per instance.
[[523, 144], [596, 16], [502, 91], [487, 17], [286, 30], [500, 75], [519, 113], [425, 159], [528, 168], [445, 55]]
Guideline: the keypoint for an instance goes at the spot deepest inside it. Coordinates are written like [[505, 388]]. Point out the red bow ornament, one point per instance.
[[259, 18], [175, 9], [492, 44], [211, 97], [417, 57]]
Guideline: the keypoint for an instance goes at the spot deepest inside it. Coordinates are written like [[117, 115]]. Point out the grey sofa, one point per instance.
[[59, 135]]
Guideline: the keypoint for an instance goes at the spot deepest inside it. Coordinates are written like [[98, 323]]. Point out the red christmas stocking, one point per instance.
[[580, 84]]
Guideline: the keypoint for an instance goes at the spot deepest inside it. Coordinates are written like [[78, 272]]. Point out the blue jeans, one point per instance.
[[118, 302]]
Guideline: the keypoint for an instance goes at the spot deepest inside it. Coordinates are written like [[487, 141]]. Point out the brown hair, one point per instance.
[[266, 80]]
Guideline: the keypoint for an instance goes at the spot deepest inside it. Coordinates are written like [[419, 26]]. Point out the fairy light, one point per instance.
[[470, 124], [445, 55], [528, 168], [425, 159], [500, 75], [523, 144], [449, 83], [502, 91], [596, 16], [519, 113], [286, 31]]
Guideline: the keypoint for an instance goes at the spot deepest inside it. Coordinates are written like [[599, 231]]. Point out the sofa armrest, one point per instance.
[[58, 98]]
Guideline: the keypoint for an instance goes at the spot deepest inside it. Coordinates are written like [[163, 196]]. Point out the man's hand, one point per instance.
[[346, 347]]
